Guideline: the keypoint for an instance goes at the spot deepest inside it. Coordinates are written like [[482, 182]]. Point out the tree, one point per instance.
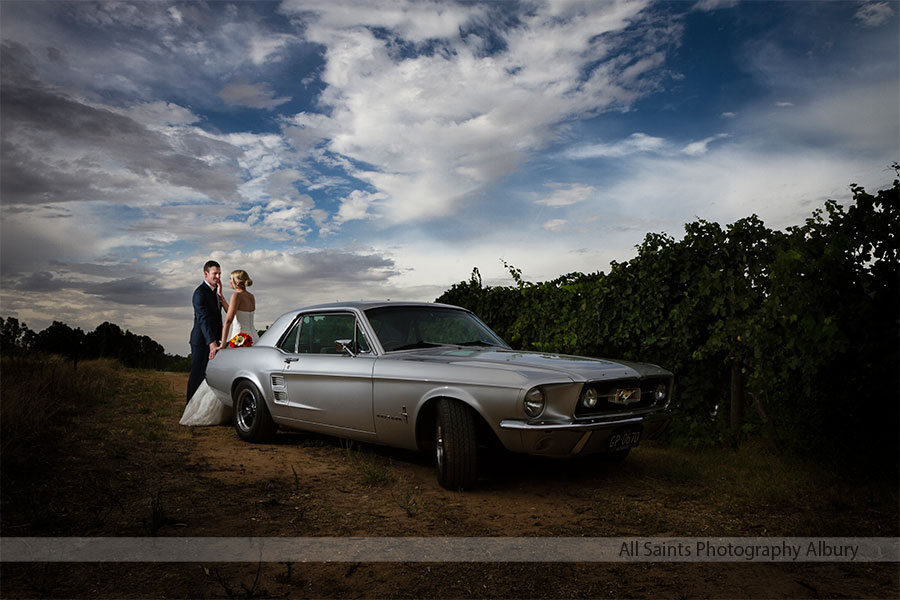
[[59, 338], [15, 336], [804, 323]]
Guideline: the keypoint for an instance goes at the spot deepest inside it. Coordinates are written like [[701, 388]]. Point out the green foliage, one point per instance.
[[796, 331]]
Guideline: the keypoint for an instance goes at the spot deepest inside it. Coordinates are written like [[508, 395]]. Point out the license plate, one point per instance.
[[622, 439]]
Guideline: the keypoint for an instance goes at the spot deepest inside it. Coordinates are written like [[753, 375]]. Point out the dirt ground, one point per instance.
[[133, 471]]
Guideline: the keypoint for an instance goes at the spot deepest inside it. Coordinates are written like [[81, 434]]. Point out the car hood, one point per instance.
[[577, 368]]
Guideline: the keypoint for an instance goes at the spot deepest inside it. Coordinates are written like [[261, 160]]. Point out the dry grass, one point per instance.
[[81, 445], [748, 492], [103, 455], [38, 394]]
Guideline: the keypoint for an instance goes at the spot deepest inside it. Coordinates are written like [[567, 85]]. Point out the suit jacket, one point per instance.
[[207, 317]]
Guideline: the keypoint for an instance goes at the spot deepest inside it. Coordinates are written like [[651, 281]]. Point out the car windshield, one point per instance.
[[408, 327]]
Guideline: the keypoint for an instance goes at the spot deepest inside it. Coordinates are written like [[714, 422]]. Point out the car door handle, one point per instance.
[[291, 359]]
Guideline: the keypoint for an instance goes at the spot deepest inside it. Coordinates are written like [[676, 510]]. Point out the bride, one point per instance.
[[204, 407]]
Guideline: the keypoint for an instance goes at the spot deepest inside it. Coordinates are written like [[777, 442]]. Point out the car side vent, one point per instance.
[[278, 380], [281, 397]]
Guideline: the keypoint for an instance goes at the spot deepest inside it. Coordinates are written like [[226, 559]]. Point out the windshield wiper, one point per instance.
[[418, 344], [477, 343]]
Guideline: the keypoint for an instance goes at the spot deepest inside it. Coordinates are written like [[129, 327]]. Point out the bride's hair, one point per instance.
[[240, 277]]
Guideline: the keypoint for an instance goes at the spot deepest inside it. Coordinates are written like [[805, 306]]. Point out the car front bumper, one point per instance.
[[584, 436]]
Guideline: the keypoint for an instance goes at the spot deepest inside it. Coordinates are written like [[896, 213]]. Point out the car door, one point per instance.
[[321, 384]]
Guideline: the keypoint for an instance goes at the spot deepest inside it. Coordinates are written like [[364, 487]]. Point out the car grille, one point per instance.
[[622, 396]]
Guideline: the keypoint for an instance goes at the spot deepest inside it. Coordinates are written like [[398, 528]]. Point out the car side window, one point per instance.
[[304, 339], [318, 333], [362, 344], [289, 343]]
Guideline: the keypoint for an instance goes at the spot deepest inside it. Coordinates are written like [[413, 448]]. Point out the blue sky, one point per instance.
[[363, 150]]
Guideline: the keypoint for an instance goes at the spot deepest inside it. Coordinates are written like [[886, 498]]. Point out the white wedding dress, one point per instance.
[[205, 407]]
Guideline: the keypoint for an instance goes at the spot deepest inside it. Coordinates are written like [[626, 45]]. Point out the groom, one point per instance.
[[207, 324]]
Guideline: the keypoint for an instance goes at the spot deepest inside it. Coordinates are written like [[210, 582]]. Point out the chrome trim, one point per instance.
[[585, 425]]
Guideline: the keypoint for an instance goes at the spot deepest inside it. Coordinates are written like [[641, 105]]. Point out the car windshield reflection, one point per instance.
[[410, 327]]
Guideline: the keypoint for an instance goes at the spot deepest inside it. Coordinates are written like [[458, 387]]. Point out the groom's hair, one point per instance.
[[209, 265]]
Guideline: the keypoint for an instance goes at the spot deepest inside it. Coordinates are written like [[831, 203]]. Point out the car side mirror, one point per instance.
[[344, 347]]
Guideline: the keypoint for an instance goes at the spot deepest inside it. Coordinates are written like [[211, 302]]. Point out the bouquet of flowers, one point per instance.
[[241, 340]]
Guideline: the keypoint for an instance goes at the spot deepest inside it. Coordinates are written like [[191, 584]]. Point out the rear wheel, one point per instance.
[[250, 414], [455, 445]]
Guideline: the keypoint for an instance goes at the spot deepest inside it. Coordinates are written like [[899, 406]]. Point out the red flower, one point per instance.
[[241, 340]]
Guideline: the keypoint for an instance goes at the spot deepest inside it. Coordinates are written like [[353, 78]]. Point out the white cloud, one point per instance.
[[710, 5], [287, 219], [253, 95], [874, 14], [415, 21], [284, 185], [701, 147], [40, 234], [860, 121], [555, 225], [175, 14], [268, 46], [783, 188], [636, 143], [158, 114], [426, 267], [425, 110], [261, 155], [139, 49], [640, 144], [158, 297], [431, 128], [356, 206], [565, 195]]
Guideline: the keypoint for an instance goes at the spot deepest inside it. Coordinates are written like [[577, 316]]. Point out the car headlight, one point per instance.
[[660, 392], [534, 402], [589, 397]]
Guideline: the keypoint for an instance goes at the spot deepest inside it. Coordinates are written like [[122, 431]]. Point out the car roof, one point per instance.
[[274, 332], [367, 304]]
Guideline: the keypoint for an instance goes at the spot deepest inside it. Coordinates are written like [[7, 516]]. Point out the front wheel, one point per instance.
[[250, 414], [455, 445]]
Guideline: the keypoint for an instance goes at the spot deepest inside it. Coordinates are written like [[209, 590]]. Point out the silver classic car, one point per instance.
[[433, 377]]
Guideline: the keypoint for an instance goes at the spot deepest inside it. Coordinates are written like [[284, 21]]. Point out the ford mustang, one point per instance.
[[433, 377]]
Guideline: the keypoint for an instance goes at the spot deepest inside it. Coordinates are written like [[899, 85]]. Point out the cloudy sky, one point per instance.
[[382, 149]]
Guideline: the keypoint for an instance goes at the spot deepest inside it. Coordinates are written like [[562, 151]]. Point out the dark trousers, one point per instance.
[[199, 360]]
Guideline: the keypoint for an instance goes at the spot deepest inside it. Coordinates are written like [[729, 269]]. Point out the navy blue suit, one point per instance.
[[207, 329]]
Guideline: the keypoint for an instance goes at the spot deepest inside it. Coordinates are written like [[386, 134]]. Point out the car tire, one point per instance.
[[250, 415], [456, 449]]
